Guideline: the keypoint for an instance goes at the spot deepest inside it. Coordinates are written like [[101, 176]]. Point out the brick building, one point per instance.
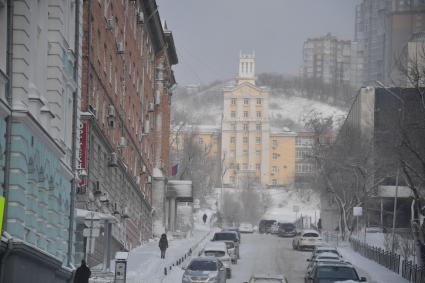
[[126, 81]]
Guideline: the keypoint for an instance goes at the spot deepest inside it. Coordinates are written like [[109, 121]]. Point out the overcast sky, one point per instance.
[[210, 33]]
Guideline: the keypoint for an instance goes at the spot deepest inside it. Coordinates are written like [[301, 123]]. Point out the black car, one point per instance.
[[265, 226], [234, 229], [287, 230], [328, 272]]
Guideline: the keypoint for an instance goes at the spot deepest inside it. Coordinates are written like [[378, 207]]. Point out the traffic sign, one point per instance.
[[95, 223]]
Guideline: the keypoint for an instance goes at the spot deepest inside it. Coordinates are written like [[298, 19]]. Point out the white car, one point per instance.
[[307, 239], [246, 228], [219, 250], [267, 279]]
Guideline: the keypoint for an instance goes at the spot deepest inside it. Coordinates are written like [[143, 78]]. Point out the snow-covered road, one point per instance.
[[269, 254]]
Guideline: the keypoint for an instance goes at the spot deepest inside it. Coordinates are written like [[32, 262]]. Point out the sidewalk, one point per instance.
[[373, 271]]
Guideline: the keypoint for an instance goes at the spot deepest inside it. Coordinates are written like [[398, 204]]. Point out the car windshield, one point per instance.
[[225, 237], [336, 272], [287, 226], [202, 265], [215, 253], [310, 235]]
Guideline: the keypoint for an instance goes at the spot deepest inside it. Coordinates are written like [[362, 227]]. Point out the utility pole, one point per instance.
[[395, 210]]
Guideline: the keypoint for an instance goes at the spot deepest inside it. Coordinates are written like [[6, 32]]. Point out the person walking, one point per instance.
[[83, 273], [163, 245], [204, 218]]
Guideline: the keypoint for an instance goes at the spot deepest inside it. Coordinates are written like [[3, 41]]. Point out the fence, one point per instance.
[[392, 261]]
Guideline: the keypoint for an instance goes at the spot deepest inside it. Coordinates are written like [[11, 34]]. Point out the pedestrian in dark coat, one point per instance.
[[83, 273], [204, 218], [163, 245]]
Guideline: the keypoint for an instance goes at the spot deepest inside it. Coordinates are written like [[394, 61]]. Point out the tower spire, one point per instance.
[[246, 68]]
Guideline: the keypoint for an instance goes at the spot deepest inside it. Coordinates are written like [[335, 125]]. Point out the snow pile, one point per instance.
[[284, 201]]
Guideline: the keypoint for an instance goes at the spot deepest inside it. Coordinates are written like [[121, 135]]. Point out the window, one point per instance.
[[258, 140], [274, 182], [258, 153], [245, 139], [246, 101], [232, 140], [258, 127], [258, 114], [233, 126], [233, 101], [245, 153], [233, 114], [257, 167], [244, 166], [274, 143], [259, 101], [245, 114], [275, 156], [274, 169], [245, 126], [201, 140]]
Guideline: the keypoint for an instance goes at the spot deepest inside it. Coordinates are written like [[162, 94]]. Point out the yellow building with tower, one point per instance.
[[250, 150]]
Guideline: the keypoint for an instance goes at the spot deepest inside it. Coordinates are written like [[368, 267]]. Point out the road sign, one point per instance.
[[93, 232], [357, 211], [2, 201]]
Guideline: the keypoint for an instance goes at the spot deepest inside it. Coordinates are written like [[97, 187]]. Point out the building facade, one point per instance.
[[245, 127], [327, 59], [126, 80], [40, 47]]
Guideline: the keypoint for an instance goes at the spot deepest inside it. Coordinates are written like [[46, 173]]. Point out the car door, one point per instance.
[[221, 271]]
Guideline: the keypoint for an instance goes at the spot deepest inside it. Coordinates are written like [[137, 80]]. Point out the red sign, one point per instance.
[[82, 157]]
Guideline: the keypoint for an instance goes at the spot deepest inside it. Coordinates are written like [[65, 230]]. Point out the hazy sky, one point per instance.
[[210, 33]]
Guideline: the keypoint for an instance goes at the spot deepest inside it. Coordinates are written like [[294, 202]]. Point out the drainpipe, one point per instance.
[[74, 134], [9, 72]]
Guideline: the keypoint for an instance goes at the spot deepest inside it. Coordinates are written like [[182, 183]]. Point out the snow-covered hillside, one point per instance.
[[286, 109]]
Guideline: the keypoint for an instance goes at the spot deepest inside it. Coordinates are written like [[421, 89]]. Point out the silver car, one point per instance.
[[205, 270]]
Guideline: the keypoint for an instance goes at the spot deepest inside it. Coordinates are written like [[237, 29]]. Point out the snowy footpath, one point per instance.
[[375, 273]]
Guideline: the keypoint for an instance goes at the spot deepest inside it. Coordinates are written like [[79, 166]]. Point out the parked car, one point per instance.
[[265, 225], [234, 229], [267, 279], [205, 270], [218, 250], [321, 257], [306, 239], [246, 228], [330, 272], [325, 249], [232, 242], [287, 230], [274, 229]]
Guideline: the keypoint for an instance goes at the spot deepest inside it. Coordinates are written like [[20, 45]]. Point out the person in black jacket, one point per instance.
[[163, 245], [83, 273]]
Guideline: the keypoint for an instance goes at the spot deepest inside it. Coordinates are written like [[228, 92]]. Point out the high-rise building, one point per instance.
[[327, 59]]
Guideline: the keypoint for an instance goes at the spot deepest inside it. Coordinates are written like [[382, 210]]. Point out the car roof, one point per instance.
[[333, 263], [205, 258], [268, 276], [326, 248], [327, 254], [215, 246], [227, 232]]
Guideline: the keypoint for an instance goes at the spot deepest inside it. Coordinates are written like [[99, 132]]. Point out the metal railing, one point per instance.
[[406, 268]]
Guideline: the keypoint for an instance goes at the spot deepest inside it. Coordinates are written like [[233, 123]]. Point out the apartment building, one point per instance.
[[327, 59], [126, 81], [40, 52]]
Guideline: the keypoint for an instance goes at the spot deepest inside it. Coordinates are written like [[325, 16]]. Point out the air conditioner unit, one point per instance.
[[149, 179], [151, 107], [104, 198], [146, 129], [122, 142], [110, 24], [111, 111], [120, 47], [137, 179], [125, 213], [157, 97], [144, 169], [140, 17], [113, 161]]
